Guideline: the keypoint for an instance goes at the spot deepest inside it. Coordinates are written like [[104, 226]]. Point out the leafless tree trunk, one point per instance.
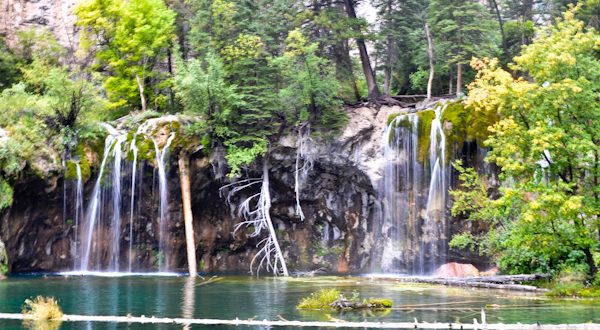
[[140, 84], [389, 63], [304, 163], [187, 213], [502, 33], [431, 55], [459, 79], [451, 80]]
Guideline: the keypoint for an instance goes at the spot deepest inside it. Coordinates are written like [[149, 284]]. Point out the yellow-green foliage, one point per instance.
[[380, 303], [42, 308], [320, 299]]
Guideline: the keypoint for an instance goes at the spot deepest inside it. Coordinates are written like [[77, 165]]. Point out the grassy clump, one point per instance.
[[574, 283], [380, 303], [320, 299], [42, 308], [324, 298]]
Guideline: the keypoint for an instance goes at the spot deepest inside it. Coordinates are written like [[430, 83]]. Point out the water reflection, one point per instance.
[[188, 299]]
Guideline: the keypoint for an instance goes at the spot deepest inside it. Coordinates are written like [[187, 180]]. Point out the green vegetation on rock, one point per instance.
[[543, 218]]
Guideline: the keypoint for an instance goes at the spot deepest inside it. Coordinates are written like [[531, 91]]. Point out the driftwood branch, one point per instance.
[[500, 282], [283, 323]]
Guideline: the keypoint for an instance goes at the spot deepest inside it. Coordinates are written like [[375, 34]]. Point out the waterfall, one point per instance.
[[134, 151], [115, 225], [163, 234], [435, 224], [78, 209], [104, 240], [92, 215], [413, 194]]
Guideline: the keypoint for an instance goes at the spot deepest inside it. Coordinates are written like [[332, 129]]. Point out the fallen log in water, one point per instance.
[[284, 323], [501, 282]]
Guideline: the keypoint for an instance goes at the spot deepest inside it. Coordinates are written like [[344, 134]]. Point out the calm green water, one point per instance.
[[266, 298]]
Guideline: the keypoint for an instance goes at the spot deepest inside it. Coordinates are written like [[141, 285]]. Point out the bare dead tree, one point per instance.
[[304, 163], [255, 210]]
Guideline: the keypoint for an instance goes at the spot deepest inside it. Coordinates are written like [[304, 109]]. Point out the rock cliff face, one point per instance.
[[339, 198], [55, 16]]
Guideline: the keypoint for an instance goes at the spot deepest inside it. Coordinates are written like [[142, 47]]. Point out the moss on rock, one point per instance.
[[462, 125], [425, 119]]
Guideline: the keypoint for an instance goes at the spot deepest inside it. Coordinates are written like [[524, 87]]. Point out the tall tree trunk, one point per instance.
[[187, 213], [140, 84], [502, 33], [590, 261], [387, 80], [389, 63], [431, 56], [451, 80], [364, 56], [459, 79]]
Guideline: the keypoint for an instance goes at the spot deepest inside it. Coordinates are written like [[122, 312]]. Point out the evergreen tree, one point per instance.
[[401, 39], [463, 29]]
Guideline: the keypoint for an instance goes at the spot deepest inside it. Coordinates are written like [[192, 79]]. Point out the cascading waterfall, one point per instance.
[[92, 215], [78, 208], [101, 232], [115, 232], [134, 151], [161, 158], [414, 194]]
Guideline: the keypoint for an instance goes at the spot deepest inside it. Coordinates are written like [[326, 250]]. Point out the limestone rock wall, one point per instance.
[[55, 16]]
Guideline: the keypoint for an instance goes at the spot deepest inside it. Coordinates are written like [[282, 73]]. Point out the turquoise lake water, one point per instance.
[[271, 298]]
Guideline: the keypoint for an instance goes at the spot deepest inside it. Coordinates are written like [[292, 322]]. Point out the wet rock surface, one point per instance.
[[338, 197]]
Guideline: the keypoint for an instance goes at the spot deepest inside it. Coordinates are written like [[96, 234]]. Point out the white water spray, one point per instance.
[[161, 158]]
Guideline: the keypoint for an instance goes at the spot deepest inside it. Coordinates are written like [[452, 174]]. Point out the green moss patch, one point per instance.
[[425, 119], [332, 299], [467, 125]]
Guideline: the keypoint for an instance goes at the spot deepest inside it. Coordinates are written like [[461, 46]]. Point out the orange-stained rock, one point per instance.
[[454, 269]]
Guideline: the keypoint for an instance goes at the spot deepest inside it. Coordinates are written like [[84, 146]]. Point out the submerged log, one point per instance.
[[283, 323], [501, 282]]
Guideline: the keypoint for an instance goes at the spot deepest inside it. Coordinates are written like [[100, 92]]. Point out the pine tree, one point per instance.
[[463, 29], [400, 37]]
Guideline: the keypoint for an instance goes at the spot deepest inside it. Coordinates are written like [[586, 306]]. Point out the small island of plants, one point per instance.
[[332, 299]]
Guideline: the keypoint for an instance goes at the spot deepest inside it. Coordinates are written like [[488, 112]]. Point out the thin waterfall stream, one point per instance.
[[161, 158], [414, 193], [104, 241]]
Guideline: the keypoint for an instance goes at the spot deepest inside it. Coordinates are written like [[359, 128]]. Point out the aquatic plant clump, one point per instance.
[[327, 299], [42, 308], [319, 300]]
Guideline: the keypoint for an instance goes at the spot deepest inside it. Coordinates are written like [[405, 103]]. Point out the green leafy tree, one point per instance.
[[311, 88], [401, 42], [9, 62], [130, 41], [546, 146]]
